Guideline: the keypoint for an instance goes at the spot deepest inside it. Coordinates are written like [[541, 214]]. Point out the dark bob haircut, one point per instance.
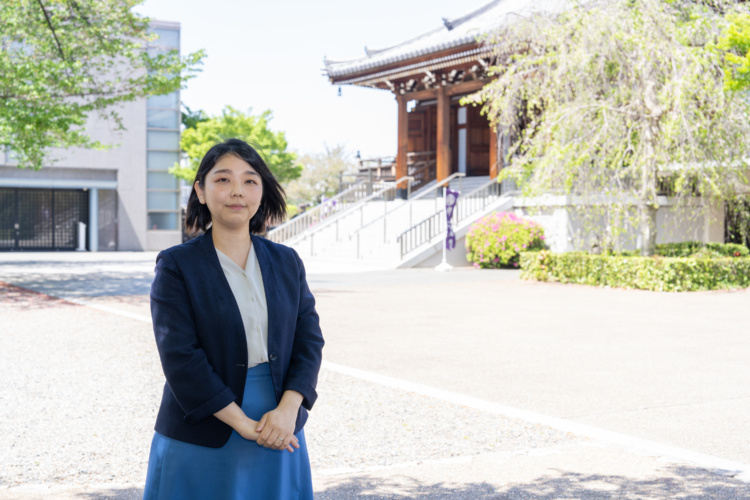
[[272, 207]]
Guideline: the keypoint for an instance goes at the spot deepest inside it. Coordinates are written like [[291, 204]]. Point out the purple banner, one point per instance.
[[451, 198]]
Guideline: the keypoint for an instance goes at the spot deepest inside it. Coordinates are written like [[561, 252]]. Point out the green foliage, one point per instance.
[[690, 248], [497, 240], [735, 43], [737, 221], [64, 60], [291, 211], [190, 118], [613, 102], [669, 274], [234, 124], [320, 175]]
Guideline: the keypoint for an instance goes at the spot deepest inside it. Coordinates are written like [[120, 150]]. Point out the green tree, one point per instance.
[[232, 123], [62, 60], [614, 102], [734, 42], [321, 175], [190, 118]]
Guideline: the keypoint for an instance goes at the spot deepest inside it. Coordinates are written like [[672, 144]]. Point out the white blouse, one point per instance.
[[248, 290]]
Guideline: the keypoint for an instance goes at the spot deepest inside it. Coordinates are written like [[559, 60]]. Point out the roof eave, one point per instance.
[[421, 59]]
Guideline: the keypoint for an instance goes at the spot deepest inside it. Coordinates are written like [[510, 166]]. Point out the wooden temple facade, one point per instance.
[[428, 75]]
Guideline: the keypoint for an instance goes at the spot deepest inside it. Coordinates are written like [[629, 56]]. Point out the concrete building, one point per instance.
[[124, 195]]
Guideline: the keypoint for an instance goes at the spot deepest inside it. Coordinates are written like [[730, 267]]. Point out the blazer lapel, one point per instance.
[[223, 300], [269, 284]]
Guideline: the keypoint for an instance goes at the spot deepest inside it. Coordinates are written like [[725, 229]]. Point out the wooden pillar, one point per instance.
[[403, 145], [494, 166], [443, 134]]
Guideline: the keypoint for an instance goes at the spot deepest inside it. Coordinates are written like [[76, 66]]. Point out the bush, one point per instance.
[[496, 240], [674, 274], [689, 248]]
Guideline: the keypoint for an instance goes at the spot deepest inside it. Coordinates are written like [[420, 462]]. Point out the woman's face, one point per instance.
[[232, 191]]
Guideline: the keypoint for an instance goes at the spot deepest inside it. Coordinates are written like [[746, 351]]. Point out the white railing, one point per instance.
[[467, 205], [328, 208], [402, 217], [354, 217]]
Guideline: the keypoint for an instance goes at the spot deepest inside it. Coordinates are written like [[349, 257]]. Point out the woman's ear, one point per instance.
[[199, 192]]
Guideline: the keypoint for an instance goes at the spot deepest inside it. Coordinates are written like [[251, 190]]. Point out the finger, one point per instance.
[[293, 443], [281, 442], [273, 442], [286, 442], [265, 437], [262, 423], [269, 436]]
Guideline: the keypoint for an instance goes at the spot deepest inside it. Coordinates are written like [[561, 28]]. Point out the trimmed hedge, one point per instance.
[[669, 274], [689, 248]]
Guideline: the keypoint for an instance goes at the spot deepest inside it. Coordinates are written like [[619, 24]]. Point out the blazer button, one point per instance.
[[272, 356]]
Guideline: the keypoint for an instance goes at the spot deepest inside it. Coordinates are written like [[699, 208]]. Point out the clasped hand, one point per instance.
[[275, 430]]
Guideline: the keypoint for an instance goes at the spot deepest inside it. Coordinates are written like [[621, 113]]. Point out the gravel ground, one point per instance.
[[81, 388], [79, 394], [357, 424]]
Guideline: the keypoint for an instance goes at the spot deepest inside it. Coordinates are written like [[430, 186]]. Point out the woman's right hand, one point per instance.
[[247, 431]]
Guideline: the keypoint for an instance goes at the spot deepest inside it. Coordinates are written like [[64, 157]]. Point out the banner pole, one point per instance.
[[444, 266]]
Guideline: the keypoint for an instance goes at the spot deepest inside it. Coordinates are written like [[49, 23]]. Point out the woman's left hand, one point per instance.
[[276, 427]]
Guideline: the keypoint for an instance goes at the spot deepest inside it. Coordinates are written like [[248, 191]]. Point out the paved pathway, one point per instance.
[[668, 368]]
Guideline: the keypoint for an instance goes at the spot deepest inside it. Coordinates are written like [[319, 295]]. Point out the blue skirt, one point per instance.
[[240, 469]]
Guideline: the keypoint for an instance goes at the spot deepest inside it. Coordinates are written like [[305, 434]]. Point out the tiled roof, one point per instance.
[[453, 33]]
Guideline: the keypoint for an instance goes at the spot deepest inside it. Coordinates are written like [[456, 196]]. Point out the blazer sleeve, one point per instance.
[[198, 389], [307, 346]]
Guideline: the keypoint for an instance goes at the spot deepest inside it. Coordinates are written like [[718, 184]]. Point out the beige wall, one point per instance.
[[565, 232], [125, 163], [159, 240]]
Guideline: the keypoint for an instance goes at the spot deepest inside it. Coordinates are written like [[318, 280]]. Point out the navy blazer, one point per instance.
[[201, 338]]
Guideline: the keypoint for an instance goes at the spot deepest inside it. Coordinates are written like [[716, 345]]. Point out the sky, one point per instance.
[[269, 55]]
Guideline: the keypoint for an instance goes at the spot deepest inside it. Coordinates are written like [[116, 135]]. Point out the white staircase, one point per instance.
[[394, 233]]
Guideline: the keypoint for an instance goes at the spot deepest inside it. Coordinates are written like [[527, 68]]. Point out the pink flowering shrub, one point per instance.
[[496, 240]]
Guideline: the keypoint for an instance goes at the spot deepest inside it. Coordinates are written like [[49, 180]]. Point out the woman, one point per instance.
[[239, 341]]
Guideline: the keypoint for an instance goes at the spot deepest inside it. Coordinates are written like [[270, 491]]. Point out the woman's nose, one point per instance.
[[236, 189]]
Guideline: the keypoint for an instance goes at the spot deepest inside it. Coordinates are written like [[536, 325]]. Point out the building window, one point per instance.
[[163, 144], [164, 140], [163, 118], [163, 220]]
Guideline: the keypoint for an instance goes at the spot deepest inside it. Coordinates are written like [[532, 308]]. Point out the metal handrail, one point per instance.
[[358, 205], [420, 233], [408, 203], [310, 217], [459, 175], [425, 230], [411, 199]]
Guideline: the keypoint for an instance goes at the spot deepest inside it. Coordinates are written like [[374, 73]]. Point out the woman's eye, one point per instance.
[[251, 181]]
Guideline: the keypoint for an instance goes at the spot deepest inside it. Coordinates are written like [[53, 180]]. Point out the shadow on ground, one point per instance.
[[24, 299], [86, 285], [687, 483]]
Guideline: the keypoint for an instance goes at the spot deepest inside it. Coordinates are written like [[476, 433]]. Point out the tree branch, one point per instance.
[[115, 93], [49, 23]]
